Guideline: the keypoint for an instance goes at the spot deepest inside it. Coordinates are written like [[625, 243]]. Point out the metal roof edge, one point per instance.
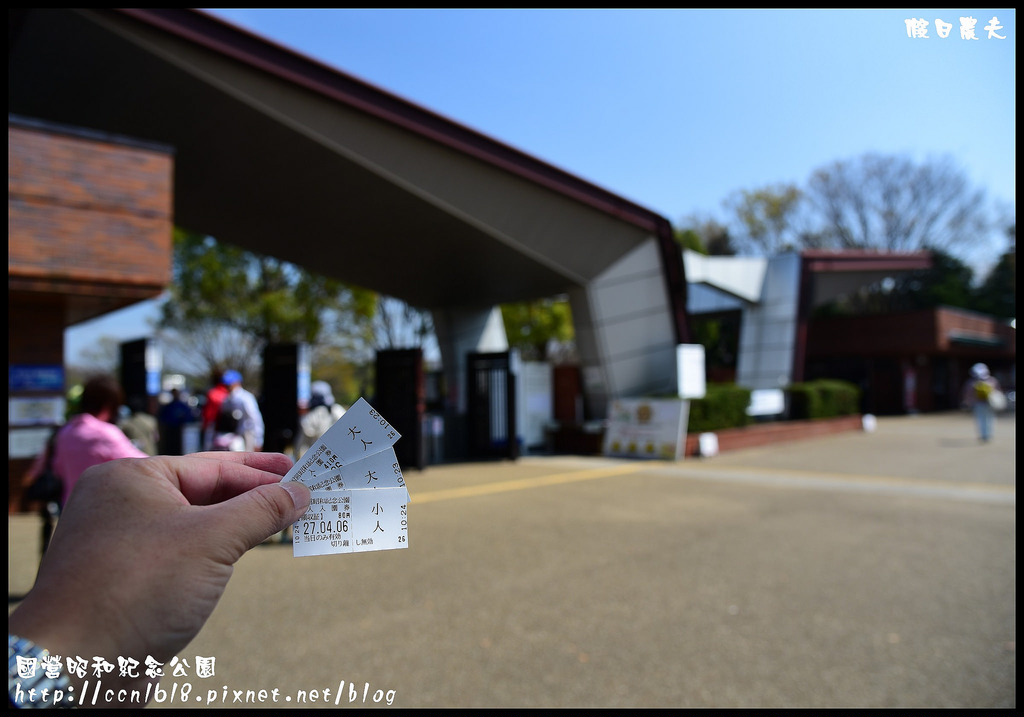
[[292, 66], [39, 125]]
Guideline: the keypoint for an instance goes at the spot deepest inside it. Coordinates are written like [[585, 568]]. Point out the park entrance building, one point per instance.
[[281, 155]]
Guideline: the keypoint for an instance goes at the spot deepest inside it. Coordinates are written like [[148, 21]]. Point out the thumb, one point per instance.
[[257, 514]]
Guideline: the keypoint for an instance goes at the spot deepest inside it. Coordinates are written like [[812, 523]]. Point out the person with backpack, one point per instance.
[[979, 394], [227, 435], [89, 438], [322, 414]]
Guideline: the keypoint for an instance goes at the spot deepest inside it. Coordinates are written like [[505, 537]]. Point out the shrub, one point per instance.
[[823, 398], [839, 398], [724, 406], [803, 400]]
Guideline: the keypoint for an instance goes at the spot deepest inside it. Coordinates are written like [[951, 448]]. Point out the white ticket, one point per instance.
[[360, 500], [353, 521], [361, 432]]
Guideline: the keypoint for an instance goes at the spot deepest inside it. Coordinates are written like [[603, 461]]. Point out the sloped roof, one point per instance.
[[285, 156], [831, 273], [739, 276]]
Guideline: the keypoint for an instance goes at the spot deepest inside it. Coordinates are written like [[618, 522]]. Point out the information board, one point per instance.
[[647, 428]]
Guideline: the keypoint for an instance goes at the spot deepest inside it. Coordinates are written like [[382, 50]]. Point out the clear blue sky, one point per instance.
[[677, 109]]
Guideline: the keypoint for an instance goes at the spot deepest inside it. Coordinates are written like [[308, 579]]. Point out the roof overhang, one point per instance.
[[831, 273], [969, 338], [284, 156], [834, 274], [736, 276]]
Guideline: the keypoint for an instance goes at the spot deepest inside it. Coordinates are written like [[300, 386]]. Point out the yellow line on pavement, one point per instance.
[[526, 483], [770, 472]]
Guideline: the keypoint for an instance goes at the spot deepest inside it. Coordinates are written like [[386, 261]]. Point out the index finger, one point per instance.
[[274, 462], [206, 478]]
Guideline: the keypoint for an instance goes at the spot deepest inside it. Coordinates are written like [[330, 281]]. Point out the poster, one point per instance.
[[647, 428]]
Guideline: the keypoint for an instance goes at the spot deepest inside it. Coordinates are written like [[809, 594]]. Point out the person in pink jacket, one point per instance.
[[91, 437], [88, 439]]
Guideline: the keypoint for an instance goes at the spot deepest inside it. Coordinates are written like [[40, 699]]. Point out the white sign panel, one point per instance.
[[27, 443], [647, 428], [35, 410], [690, 371], [767, 402]]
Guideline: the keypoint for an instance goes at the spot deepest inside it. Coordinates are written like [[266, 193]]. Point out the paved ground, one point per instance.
[[857, 570]]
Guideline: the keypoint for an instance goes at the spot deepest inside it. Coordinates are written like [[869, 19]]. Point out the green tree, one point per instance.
[[349, 377], [690, 239], [769, 217], [227, 304], [705, 235], [533, 327]]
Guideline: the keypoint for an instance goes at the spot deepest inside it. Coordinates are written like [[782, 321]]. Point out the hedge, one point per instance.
[[724, 406], [822, 398]]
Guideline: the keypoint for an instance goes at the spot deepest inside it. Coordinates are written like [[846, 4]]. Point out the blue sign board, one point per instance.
[[36, 378], [304, 385], [153, 383]]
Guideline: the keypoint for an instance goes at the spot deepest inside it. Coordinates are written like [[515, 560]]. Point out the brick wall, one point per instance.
[[879, 334], [87, 211], [734, 439], [955, 322], [89, 230]]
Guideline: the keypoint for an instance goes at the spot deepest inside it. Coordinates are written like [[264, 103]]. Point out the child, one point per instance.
[[226, 436]]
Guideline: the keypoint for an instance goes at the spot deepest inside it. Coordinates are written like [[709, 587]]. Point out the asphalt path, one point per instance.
[[856, 570]]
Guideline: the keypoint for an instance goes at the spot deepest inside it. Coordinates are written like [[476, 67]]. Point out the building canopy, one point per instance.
[[284, 156]]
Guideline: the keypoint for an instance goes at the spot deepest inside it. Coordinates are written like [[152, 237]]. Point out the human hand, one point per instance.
[[144, 550]]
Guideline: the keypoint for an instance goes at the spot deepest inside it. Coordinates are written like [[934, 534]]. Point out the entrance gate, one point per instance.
[[491, 406], [400, 397]]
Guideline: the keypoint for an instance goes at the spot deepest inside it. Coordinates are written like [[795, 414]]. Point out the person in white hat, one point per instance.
[[322, 414], [242, 403], [980, 394]]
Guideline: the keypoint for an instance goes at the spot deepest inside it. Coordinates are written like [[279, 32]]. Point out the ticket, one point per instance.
[[359, 497]]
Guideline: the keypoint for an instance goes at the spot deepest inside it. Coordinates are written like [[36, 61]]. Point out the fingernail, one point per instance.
[[298, 492]]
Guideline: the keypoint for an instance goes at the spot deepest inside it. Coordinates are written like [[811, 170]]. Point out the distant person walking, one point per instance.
[[227, 435], [214, 397], [980, 392], [250, 419], [322, 414], [141, 428], [174, 416], [91, 437]]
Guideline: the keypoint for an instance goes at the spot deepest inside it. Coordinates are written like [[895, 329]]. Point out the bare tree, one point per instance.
[[890, 203], [103, 356], [398, 325], [209, 347]]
